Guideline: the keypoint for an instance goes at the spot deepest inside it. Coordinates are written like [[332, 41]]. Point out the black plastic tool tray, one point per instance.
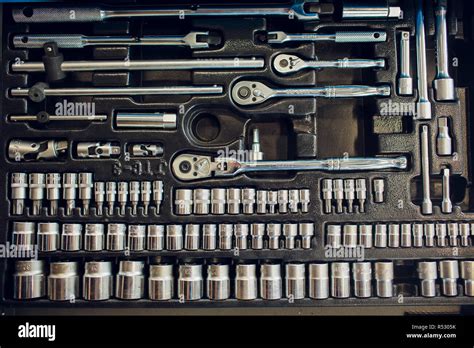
[[321, 128]]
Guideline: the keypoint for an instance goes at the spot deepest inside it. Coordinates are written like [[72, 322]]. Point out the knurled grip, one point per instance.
[[57, 15], [38, 41], [354, 36]]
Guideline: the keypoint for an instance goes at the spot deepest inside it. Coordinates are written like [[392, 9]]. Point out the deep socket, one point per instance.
[[190, 283], [155, 237], [349, 237], [393, 235], [116, 236], [183, 201], [86, 185], [36, 184], [273, 233], [379, 189], [246, 286], [53, 191], [449, 274], [428, 273], [29, 279], [18, 185], [218, 199], [270, 281], [48, 236], [94, 237], [338, 194], [295, 279], [218, 282], [225, 236], [319, 281], [71, 237], [365, 236], [380, 236], [202, 201], [362, 275], [161, 282], [340, 280], [191, 237], [326, 189], [63, 281], [130, 282], [70, 191], [233, 197], [136, 237], [306, 231], [417, 235], [257, 231], [97, 281], [405, 237], [174, 237], [384, 278], [241, 232]]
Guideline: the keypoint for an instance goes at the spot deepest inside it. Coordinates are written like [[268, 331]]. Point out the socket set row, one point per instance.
[[297, 133], [72, 187], [405, 235], [246, 200], [49, 236], [317, 280]]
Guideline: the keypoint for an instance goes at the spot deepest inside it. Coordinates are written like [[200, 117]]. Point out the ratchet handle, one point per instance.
[[38, 41], [360, 36], [57, 15]]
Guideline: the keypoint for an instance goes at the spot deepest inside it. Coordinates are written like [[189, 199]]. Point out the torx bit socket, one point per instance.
[[191, 237], [155, 237], [467, 274], [426, 205], [36, 184], [97, 281], [326, 188], [233, 196], [365, 236], [295, 281], [99, 197], [380, 236], [174, 237], [23, 235], [209, 237], [218, 200], [134, 196], [349, 194], [241, 232], [393, 235], [449, 274], [225, 236], [161, 282], [190, 282], [306, 231], [71, 237], [110, 196], [446, 205], [429, 231], [116, 237], [130, 282], [417, 235], [70, 191], [305, 200], [202, 201], [246, 287], [293, 200], [157, 194], [334, 236], [270, 281], [248, 200], [319, 281], [262, 198], [273, 233], [428, 273], [53, 191], [122, 196], [384, 278], [290, 232], [18, 185], [282, 197], [63, 281], [29, 280], [86, 184], [453, 233], [145, 195], [136, 237], [441, 233], [94, 237], [338, 194], [48, 236], [361, 193], [379, 188], [257, 231], [464, 234], [183, 201], [349, 236], [340, 280], [362, 275], [406, 235], [272, 201], [444, 143], [218, 282]]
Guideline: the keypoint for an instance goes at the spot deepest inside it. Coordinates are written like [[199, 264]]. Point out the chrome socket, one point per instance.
[[145, 195], [272, 201], [86, 184], [53, 191], [19, 186], [99, 197], [246, 285], [340, 280], [290, 231], [362, 275], [97, 281], [94, 237], [467, 274], [218, 282], [304, 200], [379, 189], [428, 273], [361, 193], [441, 233], [48, 236], [338, 194], [393, 235], [158, 194], [233, 196], [122, 196], [384, 278], [326, 188], [274, 234], [319, 281], [63, 281], [183, 201], [293, 200], [155, 237], [70, 191], [349, 238], [449, 274], [429, 231], [36, 184], [218, 200], [190, 282], [116, 237], [282, 198], [295, 279], [241, 232], [262, 199], [130, 282], [349, 194], [464, 234], [161, 282], [202, 201], [418, 235], [380, 236], [365, 236], [174, 237], [134, 196], [333, 236], [248, 200], [110, 195], [209, 236], [453, 233], [270, 281], [23, 235], [405, 236], [136, 237], [257, 231], [225, 236], [192, 236], [71, 237], [29, 280]]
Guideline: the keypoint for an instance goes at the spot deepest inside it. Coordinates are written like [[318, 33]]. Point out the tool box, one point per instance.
[[222, 155]]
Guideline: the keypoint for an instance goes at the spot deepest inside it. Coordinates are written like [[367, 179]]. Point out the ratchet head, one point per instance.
[[189, 167], [251, 92], [287, 63]]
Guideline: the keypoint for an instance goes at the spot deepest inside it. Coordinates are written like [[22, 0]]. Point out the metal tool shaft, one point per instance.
[[338, 36], [427, 205], [423, 106]]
